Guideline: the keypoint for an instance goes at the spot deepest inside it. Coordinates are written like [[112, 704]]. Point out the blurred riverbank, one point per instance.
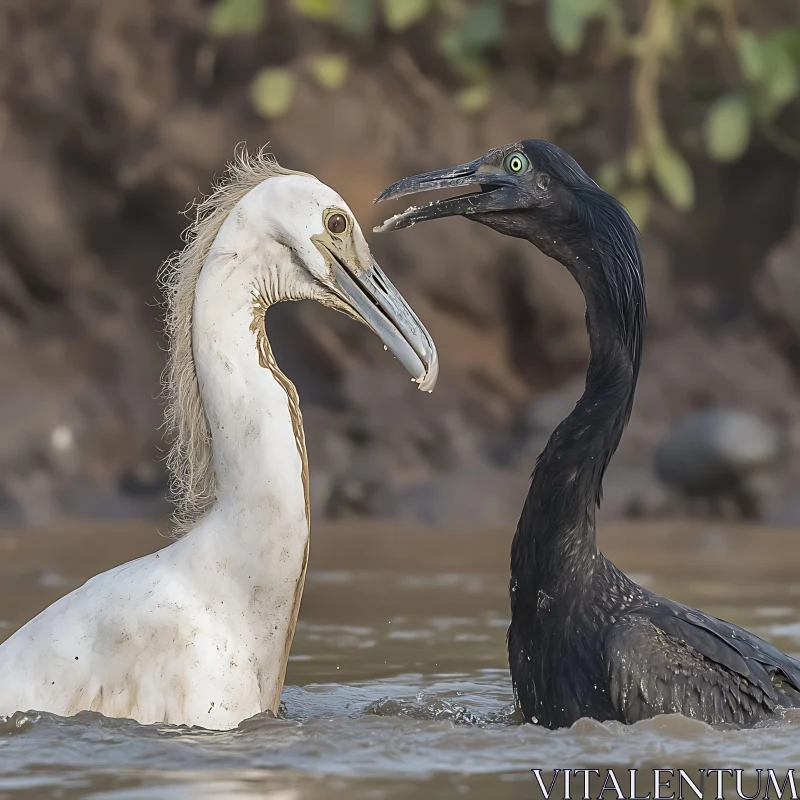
[[139, 104]]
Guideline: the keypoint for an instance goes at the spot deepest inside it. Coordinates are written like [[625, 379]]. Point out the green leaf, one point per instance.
[[781, 84], [473, 98], [727, 128], [237, 17], [673, 176], [402, 14], [609, 175], [315, 9], [769, 67], [358, 17], [567, 20], [483, 25], [329, 69], [789, 40], [638, 200], [637, 163], [462, 43], [463, 60], [751, 56], [450, 43], [271, 92]]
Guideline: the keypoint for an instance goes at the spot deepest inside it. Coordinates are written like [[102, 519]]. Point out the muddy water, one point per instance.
[[397, 685]]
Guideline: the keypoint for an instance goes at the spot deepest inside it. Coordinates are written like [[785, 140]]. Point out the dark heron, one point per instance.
[[584, 639]]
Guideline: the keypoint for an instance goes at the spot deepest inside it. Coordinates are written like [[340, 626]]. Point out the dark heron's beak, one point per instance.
[[497, 192]]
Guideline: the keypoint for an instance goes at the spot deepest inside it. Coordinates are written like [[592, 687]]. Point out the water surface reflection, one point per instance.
[[397, 684]]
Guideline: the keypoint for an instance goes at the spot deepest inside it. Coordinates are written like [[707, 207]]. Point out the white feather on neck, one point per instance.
[[190, 461], [258, 525]]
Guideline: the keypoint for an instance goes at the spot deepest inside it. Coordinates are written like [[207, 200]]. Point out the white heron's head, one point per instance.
[[286, 236], [327, 259]]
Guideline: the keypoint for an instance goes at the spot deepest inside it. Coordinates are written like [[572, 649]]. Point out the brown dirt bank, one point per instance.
[[115, 115]]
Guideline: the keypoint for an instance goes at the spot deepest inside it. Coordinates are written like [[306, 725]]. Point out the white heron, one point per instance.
[[199, 633]]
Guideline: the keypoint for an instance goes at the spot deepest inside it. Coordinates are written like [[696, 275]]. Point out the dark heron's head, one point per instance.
[[536, 191], [505, 185]]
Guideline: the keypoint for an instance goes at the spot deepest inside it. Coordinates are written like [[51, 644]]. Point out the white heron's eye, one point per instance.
[[336, 223], [543, 181], [516, 163]]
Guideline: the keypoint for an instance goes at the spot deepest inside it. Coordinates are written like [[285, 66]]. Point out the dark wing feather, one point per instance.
[[715, 649], [654, 672], [726, 644]]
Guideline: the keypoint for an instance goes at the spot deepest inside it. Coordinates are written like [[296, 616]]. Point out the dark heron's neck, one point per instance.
[[554, 547]]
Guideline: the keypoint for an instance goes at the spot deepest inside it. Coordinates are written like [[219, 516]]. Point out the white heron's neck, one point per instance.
[[259, 520]]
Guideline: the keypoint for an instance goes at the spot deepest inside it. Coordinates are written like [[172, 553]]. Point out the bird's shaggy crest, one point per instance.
[[193, 484]]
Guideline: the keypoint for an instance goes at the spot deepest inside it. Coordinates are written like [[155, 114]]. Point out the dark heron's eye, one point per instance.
[[336, 223], [516, 163], [542, 180]]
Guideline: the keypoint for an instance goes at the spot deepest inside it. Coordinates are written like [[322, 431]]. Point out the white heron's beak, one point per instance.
[[369, 295]]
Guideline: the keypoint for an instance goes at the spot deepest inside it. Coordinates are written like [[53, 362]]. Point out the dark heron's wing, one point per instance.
[[668, 658]]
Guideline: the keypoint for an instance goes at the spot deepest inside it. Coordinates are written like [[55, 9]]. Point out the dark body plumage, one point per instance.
[[585, 640]]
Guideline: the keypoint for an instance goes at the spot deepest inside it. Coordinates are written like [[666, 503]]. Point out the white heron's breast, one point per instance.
[[146, 641]]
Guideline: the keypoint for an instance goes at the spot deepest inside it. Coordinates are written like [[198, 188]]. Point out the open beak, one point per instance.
[[373, 298], [497, 192]]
